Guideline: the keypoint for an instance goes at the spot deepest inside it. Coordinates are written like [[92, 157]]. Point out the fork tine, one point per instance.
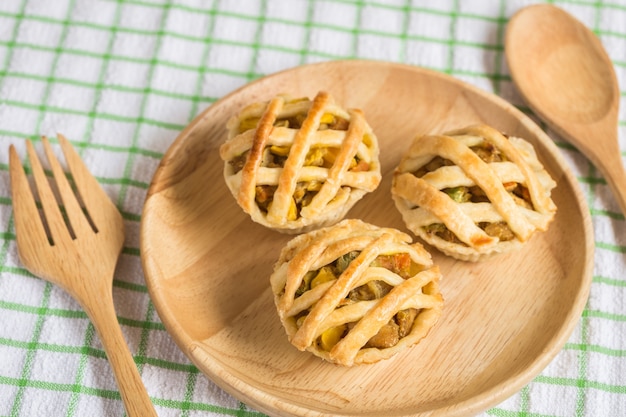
[[76, 217], [27, 219], [54, 218], [92, 194]]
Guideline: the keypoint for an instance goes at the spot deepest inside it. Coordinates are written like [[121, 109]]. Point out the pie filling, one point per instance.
[[275, 157], [328, 121], [488, 153], [391, 333]]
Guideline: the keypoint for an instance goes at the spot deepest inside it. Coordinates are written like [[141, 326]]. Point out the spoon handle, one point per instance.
[[603, 152], [615, 175]]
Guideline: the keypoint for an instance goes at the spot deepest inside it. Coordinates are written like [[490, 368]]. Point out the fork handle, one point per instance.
[[101, 310]]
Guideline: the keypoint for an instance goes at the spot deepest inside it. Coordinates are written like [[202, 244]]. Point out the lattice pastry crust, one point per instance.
[[354, 293], [473, 192], [296, 164]]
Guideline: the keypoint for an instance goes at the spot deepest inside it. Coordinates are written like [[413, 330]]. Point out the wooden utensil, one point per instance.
[[566, 77], [79, 256], [207, 265]]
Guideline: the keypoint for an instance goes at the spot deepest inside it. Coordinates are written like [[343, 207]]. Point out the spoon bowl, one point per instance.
[[566, 77]]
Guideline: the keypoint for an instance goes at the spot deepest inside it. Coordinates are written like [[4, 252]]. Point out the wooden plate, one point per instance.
[[207, 265]]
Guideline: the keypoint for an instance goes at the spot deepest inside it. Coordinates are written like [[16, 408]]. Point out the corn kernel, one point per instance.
[[280, 150], [324, 275], [331, 337], [292, 214], [327, 118]]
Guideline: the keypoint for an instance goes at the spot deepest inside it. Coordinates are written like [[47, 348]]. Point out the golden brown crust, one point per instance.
[[333, 183], [245, 197], [308, 313], [425, 198]]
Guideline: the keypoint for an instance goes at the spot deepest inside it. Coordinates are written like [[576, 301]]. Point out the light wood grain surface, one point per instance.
[[207, 265]]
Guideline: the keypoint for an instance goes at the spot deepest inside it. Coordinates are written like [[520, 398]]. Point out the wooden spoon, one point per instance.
[[566, 77]]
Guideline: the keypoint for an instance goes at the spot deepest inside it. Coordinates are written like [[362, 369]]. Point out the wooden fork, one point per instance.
[[80, 255]]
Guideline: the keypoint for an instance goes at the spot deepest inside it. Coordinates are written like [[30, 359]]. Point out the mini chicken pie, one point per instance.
[[354, 293], [296, 164], [473, 192]]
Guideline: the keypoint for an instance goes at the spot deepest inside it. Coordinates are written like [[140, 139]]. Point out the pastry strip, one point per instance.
[[297, 154], [424, 195], [541, 202], [340, 166], [308, 331], [250, 169], [401, 297]]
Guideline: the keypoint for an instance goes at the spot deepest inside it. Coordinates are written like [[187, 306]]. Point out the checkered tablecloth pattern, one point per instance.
[[121, 79]]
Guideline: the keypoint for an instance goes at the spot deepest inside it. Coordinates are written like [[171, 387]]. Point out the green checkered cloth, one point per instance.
[[121, 79]]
